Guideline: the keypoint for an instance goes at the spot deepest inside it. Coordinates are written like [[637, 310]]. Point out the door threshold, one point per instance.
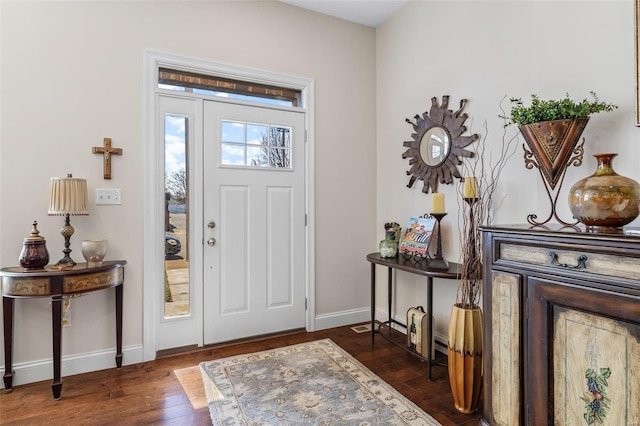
[[165, 353]]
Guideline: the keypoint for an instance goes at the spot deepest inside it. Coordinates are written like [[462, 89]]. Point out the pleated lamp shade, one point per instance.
[[68, 196]]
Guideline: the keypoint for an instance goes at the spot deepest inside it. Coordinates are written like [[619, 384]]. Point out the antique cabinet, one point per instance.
[[562, 326]]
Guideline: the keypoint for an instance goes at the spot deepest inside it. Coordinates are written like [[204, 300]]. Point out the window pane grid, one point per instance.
[[256, 145]]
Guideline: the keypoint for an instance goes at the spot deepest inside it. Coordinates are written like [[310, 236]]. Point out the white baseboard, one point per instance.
[[441, 343], [357, 316], [339, 319], [36, 371]]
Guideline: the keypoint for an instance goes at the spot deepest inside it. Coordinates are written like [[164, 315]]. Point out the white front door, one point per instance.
[[254, 221]]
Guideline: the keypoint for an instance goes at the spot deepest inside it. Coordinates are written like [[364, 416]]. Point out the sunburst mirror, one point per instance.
[[438, 145]]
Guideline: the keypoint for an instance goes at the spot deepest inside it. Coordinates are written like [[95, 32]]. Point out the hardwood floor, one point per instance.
[[151, 392]]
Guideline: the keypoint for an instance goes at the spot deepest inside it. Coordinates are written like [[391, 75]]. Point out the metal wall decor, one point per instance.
[[437, 145]]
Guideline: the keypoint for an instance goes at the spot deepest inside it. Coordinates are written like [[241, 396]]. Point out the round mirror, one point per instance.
[[438, 142], [435, 146]]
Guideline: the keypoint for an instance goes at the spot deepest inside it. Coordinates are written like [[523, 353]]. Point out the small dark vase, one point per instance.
[[605, 199], [34, 254]]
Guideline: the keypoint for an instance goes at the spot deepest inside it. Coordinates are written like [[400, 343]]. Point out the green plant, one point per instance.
[[393, 230], [547, 110]]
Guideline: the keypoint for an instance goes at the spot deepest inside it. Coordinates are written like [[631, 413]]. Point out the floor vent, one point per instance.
[[364, 328]]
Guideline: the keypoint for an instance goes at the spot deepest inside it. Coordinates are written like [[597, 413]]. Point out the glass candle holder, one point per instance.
[[94, 251]]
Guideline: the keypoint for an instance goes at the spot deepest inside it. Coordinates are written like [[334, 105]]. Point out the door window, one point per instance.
[[255, 145], [176, 218]]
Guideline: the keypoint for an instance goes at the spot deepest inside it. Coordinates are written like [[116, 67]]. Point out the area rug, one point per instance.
[[314, 383], [191, 381]]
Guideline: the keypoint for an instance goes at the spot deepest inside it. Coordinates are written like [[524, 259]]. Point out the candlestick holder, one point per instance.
[[438, 263]]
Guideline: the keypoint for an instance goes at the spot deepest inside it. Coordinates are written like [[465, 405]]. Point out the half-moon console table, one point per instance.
[[413, 267], [17, 283]]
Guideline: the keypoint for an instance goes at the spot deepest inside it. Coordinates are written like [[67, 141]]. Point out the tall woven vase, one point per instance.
[[465, 357]]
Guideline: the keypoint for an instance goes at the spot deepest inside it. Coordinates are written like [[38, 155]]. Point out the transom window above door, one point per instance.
[[185, 81], [255, 145]]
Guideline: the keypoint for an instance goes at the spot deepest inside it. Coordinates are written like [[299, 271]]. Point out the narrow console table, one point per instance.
[[413, 267], [16, 283]]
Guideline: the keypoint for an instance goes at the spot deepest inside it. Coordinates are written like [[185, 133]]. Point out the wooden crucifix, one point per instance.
[[106, 150]]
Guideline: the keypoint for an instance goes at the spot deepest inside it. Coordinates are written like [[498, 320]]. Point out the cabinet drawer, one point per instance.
[[566, 259], [14, 286]]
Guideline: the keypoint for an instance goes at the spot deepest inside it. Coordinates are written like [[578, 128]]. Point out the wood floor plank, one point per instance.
[[151, 393]]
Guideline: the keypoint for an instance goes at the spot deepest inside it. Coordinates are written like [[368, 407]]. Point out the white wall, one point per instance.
[[71, 74], [483, 51]]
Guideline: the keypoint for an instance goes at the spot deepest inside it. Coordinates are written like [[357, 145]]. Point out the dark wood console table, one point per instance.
[[413, 267], [16, 283]]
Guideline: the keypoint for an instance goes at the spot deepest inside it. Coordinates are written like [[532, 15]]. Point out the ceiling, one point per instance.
[[366, 12]]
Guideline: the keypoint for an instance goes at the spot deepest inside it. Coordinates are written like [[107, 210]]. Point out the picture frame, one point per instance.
[[417, 236]]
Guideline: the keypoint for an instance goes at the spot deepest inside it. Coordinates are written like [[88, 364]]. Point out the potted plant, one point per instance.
[[389, 246], [550, 110], [552, 129]]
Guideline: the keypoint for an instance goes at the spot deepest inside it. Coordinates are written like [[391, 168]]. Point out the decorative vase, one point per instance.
[[94, 251], [605, 199], [388, 247], [465, 357], [34, 254]]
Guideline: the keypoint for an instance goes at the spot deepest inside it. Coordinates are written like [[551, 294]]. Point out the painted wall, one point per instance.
[[71, 74], [484, 51]]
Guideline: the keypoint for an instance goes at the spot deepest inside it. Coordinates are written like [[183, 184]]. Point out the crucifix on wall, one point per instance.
[[106, 150]]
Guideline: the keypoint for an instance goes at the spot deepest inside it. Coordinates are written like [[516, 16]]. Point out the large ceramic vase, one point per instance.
[[605, 199], [465, 357]]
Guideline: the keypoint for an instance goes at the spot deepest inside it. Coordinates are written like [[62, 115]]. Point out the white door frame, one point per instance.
[[153, 182]]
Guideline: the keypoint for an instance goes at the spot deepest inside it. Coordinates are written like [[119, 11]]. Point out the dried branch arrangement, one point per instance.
[[479, 210]]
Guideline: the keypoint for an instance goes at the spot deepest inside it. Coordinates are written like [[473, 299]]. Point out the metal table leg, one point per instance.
[[373, 302], [430, 320]]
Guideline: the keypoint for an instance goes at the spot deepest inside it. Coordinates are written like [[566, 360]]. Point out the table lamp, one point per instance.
[[68, 197]]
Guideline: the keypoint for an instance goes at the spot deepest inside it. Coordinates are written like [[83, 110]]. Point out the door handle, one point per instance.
[[211, 225], [211, 242]]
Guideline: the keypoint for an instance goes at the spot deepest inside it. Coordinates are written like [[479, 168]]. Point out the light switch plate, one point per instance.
[[108, 196]]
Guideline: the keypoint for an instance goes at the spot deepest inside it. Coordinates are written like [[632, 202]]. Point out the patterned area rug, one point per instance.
[[315, 383]]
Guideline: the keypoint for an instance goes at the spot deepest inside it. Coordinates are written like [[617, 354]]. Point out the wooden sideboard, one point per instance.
[[16, 283], [562, 326]]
